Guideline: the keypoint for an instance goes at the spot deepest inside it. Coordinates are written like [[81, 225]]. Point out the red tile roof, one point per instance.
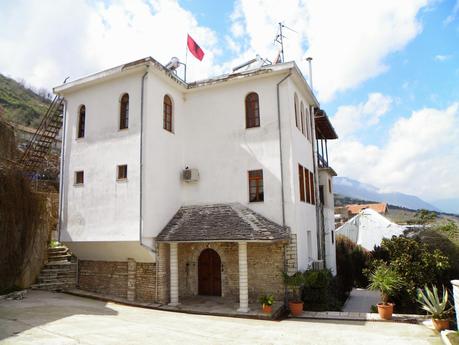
[[356, 208]]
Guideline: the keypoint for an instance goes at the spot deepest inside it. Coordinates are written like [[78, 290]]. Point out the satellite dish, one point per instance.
[[173, 64]]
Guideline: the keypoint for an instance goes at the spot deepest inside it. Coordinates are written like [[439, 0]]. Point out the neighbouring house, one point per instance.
[[172, 189], [368, 228], [344, 213]]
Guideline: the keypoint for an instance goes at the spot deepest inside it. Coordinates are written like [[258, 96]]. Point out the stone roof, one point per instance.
[[220, 222]]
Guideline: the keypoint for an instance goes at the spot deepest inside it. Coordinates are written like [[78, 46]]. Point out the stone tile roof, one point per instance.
[[220, 222]]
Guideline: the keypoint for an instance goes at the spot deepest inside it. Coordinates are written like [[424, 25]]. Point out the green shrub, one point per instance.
[[320, 291], [351, 260], [416, 264]]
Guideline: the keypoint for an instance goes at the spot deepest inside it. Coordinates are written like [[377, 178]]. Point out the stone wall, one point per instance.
[[265, 267], [126, 279], [104, 277], [145, 283]]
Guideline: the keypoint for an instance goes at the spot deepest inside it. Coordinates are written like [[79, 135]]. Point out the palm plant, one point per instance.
[[386, 280], [430, 301]]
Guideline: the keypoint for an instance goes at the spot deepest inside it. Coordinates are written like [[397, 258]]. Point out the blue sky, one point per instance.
[[385, 71]]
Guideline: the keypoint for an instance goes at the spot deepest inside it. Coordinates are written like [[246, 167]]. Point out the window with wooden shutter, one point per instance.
[[252, 111], [301, 180], [124, 111], [81, 122], [256, 185], [167, 109], [302, 117], [313, 196], [308, 186]]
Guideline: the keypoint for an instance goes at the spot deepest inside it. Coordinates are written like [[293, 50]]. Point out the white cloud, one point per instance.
[[452, 17], [48, 40], [442, 58], [420, 156], [348, 40], [352, 118]]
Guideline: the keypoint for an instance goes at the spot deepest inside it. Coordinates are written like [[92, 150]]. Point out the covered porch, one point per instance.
[[222, 258]]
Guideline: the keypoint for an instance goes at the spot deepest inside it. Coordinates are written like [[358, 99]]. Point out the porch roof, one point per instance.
[[220, 222]]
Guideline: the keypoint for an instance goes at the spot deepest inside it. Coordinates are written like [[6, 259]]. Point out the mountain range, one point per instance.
[[358, 190]]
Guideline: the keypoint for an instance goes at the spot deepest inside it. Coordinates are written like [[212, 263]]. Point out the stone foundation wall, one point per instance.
[[105, 277], [265, 264], [145, 283], [114, 278]]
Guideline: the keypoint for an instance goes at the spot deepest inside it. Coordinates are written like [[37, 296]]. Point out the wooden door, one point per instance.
[[209, 273]]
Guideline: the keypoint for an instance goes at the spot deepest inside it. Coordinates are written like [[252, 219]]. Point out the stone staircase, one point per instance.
[[59, 273]]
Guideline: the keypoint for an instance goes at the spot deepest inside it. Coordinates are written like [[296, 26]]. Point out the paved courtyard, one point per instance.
[[58, 319]]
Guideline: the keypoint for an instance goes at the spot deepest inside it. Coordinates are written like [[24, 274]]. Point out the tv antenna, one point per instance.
[[280, 39]]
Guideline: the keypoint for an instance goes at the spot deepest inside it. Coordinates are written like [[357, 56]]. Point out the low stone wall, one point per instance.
[[126, 279]]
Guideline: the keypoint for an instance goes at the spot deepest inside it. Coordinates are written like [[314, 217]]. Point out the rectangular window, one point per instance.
[[321, 194], [79, 177], [332, 236], [311, 186], [122, 172], [256, 185], [308, 187], [329, 186], [301, 185]]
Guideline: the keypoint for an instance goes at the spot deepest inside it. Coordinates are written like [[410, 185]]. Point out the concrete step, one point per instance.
[[59, 270], [48, 286], [60, 265], [59, 257], [57, 250], [71, 275], [71, 280]]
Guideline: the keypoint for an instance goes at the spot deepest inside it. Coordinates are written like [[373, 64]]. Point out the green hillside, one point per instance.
[[20, 104]]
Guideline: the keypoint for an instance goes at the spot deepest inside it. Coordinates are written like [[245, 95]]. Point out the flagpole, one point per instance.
[[186, 55]]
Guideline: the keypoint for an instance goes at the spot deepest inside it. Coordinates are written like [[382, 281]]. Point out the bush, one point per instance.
[[351, 260], [417, 265], [320, 291]]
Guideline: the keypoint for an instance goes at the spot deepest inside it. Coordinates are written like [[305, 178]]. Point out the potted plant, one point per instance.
[[294, 283], [438, 308], [387, 281], [266, 302]]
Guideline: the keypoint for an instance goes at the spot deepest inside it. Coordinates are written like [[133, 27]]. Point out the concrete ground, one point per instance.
[[361, 300], [58, 319]]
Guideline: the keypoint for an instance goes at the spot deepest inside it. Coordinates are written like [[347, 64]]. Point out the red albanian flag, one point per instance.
[[195, 49]]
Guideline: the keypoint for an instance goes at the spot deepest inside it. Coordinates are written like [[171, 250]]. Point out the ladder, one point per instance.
[[36, 153]]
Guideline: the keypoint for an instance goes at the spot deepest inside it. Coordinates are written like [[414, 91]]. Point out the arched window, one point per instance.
[[296, 111], [302, 117], [252, 111], [124, 111], [81, 122], [308, 123], [167, 113]]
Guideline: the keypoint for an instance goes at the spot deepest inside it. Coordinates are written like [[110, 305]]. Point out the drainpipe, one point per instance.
[[282, 170], [320, 254], [280, 145], [61, 179], [142, 91]]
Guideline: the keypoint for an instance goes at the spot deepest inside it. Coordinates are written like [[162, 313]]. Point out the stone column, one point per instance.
[[174, 275], [243, 279], [132, 268], [162, 273], [456, 298]]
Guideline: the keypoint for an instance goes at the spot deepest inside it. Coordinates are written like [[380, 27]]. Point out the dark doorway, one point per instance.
[[209, 273]]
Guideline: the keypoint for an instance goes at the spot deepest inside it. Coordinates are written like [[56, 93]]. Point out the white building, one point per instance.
[[172, 189]]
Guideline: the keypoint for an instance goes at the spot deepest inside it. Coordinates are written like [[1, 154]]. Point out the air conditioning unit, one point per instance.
[[317, 265], [190, 175]]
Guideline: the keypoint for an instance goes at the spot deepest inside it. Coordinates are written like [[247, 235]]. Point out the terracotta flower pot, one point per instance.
[[385, 310], [296, 308], [267, 309], [440, 324]]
